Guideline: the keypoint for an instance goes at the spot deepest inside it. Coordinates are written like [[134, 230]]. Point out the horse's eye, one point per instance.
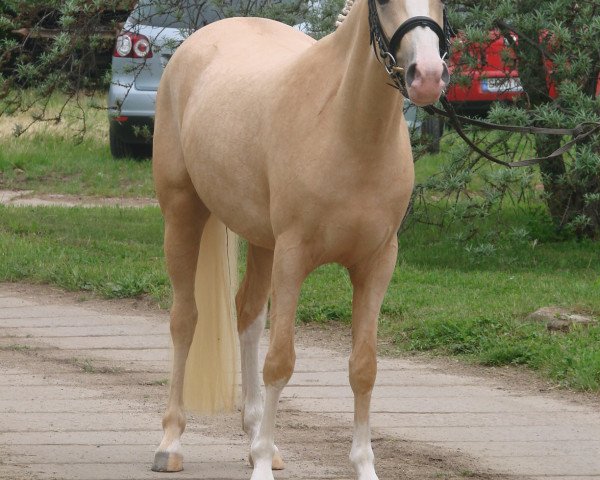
[[382, 2]]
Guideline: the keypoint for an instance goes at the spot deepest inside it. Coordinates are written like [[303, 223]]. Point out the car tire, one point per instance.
[[432, 130], [120, 149]]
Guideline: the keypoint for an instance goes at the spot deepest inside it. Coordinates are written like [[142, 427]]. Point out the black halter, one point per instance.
[[386, 51]]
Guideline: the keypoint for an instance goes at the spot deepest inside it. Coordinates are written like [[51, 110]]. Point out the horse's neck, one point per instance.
[[371, 109]]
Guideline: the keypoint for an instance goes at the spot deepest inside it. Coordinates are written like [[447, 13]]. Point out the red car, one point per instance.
[[475, 87], [495, 78]]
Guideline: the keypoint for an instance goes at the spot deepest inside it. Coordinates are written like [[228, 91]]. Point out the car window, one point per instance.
[[181, 14]]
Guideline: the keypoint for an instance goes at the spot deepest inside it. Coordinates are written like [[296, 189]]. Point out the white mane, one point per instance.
[[344, 13]]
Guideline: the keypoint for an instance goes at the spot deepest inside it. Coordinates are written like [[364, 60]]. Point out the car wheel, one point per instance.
[[121, 149], [432, 129]]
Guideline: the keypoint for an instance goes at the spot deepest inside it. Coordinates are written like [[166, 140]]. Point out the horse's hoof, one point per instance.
[[277, 462], [167, 462]]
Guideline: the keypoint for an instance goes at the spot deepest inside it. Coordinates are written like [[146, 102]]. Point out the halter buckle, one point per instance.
[[389, 62]]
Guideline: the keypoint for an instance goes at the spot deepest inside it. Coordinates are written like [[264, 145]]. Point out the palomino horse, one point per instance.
[[301, 148]]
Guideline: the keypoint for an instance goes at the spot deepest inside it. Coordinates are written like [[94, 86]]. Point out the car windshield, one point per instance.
[[181, 14]]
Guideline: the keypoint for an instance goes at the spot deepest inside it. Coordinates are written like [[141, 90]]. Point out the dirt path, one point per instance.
[[82, 389], [28, 198]]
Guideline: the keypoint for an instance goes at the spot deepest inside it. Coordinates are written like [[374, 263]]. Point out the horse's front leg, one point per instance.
[[289, 271], [370, 280]]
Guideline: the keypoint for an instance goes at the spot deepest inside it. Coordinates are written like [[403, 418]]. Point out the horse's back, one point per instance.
[[249, 38], [233, 50]]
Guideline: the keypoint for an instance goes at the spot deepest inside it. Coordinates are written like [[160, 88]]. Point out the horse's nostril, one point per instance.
[[410, 74]]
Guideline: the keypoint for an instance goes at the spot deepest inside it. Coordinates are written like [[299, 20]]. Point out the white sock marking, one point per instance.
[[251, 385], [263, 446], [361, 454]]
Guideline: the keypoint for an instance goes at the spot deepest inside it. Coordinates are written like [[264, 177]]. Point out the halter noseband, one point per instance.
[[385, 50]]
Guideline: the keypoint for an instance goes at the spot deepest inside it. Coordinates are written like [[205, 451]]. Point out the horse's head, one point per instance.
[[416, 33]]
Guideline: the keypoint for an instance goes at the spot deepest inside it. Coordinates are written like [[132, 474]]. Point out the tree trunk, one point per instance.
[[565, 198], [553, 172]]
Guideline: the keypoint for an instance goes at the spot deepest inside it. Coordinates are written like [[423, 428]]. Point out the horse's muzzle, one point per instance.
[[426, 80]]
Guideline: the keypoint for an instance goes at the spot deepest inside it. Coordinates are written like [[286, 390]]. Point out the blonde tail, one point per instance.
[[210, 383]]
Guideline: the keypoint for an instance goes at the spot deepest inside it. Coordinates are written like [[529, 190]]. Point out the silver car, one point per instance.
[[149, 37]]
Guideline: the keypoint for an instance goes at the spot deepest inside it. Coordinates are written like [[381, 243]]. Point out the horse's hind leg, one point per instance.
[[251, 303], [185, 217], [289, 270]]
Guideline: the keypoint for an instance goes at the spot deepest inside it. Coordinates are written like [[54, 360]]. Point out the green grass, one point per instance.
[[15, 347], [58, 164], [109, 251], [87, 365], [471, 300], [442, 300], [443, 297], [53, 158]]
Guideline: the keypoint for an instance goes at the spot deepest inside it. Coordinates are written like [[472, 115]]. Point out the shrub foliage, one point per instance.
[[554, 46]]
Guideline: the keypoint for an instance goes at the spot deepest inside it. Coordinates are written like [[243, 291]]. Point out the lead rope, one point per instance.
[[580, 133]]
